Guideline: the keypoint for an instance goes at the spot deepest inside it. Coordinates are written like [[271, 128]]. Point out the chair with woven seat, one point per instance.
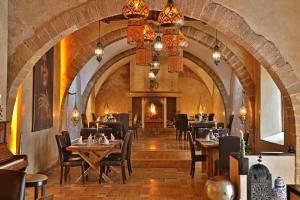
[[195, 157], [66, 161], [12, 185], [116, 159]]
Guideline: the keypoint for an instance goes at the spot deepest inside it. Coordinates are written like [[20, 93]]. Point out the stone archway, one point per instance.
[[217, 81], [231, 24]]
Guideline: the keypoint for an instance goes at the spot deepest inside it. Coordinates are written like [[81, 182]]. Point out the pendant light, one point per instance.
[[144, 51], [75, 116], [171, 19], [136, 11], [216, 55], [155, 65], [99, 51], [243, 110], [158, 45]]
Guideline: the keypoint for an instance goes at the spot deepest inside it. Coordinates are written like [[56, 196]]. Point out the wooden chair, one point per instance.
[[94, 117], [66, 161], [135, 126], [116, 160], [12, 185], [183, 125], [85, 123], [227, 145], [195, 158], [229, 124], [211, 117]]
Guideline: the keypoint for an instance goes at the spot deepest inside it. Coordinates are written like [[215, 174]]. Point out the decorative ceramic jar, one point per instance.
[[279, 191]]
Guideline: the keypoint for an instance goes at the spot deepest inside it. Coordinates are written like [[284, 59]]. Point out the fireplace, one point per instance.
[[154, 112]]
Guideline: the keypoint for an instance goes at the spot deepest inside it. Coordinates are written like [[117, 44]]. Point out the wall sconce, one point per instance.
[[243, 111], [75, 116]]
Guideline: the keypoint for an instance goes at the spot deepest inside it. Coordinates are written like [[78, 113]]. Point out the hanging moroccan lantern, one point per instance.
[[171, 19], [170, 16], [171, 38], [144, 50], [216, 54], [175, 61], [182, 40], [136, 11], [155, 65]]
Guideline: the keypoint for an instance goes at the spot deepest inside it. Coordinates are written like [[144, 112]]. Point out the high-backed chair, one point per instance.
[[65, 160], [119, 160], [194, 157], [135, 125], [201, 132], [124, 118], [128, 156], [176, 126], [85, 123], [183, 125], [12, 185], [220, 125], [94, 117], [229, 124], [211, 117], [227, 145]]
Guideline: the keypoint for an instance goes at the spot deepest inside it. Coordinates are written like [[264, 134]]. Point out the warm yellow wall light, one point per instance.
[[14, 143]]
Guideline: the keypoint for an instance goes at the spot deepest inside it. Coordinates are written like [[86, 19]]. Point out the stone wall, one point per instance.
[[114, 93], [39, 146]]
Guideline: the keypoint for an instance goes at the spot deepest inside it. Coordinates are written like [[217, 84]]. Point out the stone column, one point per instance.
[[3, 54]]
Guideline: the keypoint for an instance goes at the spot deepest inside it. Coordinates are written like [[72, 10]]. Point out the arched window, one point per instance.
[[271, 112]]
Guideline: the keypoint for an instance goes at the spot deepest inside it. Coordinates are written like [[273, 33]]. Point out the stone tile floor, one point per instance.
[[145, 182]]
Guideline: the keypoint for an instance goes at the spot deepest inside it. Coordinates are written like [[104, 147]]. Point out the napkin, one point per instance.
[[112, 137], [106, 140], [207, 138]]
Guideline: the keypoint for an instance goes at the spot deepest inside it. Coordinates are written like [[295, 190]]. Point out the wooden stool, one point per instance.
[[36, 181]]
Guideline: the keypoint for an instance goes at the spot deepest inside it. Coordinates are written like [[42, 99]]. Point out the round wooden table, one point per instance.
[[36, 181]]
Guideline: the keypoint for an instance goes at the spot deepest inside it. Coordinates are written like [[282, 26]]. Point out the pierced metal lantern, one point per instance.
[[170, 16], [171, 39], [155, 65], [75, 116], [158, 44], [175, 61], [216, 55], [182, 40], [144, 50], [259, 182], [136, 11]]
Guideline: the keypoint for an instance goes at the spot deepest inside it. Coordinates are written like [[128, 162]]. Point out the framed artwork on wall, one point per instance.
[[42, 114]]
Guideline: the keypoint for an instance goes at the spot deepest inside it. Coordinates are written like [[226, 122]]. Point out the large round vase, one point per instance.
[[219, 188]]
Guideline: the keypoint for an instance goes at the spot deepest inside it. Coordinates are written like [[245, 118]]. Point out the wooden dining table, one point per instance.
[[92, 154], [211, 150]]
